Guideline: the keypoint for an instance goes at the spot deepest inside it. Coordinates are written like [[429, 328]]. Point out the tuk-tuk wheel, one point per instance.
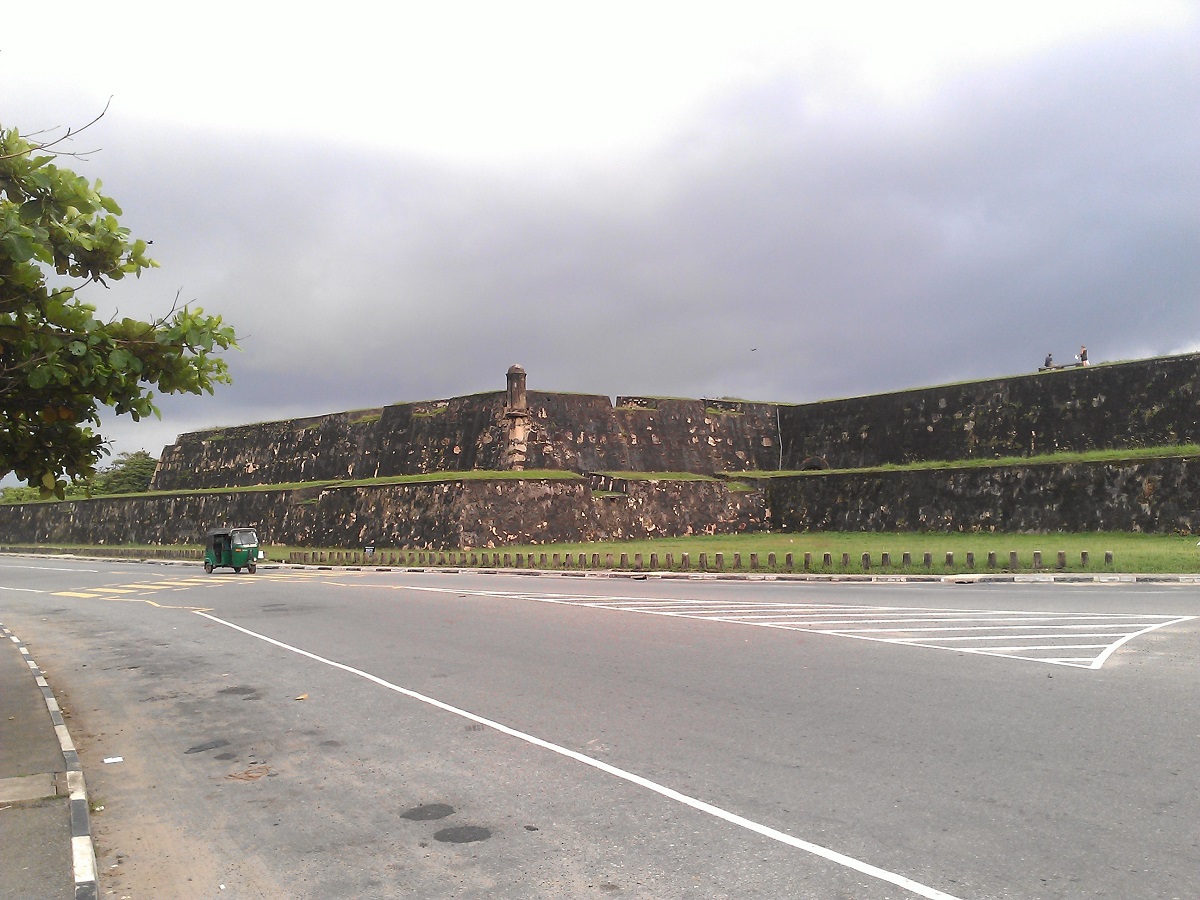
[[250, 568], [237, 570], [207, 567]]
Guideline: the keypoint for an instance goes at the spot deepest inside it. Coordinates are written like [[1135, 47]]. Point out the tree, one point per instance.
[[130, 473], [59, 363]]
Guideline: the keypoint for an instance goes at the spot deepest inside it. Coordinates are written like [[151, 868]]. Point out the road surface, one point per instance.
[[327, 733]]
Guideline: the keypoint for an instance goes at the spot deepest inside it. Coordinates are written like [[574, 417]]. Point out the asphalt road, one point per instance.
[[309, 733]]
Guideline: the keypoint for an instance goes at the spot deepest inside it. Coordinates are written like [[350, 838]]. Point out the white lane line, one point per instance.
[[980, 628], [1103, 657], [1047, 647], [23, 590], [1007, 637], [841, 859], [1006, 620], [44, 568]]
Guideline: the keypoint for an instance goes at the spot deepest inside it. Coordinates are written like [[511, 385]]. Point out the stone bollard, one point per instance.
[[685, 561], [789, 562], [1108, 558], [1037, 560], [608, 560], [906, 560], [827, 560], [1083, 558], [474, 560], [927, 560], [719, 562], [595, 560], [885, 560], [654, 562], [845, 560], [771, 563], [669, 562], [1062, 559], [949, 559], [421, 558], [542, 560], [521, 560], [557, 561], [508, 560], [737, 562], [637, 561], [970, 559], [441, 559], [753, 561], [624, 560], [807, 562], [866, 561], [1013, 563]]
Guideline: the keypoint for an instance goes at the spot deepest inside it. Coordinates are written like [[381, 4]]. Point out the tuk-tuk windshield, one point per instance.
[[245, 537]]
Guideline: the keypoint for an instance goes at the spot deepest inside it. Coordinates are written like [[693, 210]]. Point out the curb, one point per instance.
[[636, 575], [962, 578], [83, 851]]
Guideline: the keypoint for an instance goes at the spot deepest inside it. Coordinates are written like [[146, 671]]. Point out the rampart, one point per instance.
[[1122, 405], [438, 515], [1144, 403], [1125, 405], [572, 432], [1155, 496]]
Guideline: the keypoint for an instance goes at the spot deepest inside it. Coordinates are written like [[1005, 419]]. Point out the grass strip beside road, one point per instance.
[[1133, 553]]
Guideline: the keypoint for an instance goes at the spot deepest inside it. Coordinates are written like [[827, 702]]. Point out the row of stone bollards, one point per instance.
[[653, 562]]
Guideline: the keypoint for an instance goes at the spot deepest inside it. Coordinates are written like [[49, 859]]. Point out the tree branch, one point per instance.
[[70, 133]]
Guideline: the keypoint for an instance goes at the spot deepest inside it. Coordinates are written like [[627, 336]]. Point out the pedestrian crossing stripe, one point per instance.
[[1077, 640]]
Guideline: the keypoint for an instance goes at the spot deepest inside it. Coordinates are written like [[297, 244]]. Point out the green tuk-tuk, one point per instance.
[[231, 548]]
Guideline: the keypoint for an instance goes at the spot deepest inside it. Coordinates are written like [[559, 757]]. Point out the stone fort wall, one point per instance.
[[428, 516], [1153, 496], [1124, 405], [1141, 403]]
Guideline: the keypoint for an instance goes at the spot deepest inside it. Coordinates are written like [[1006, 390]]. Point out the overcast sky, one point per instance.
[[784, 202]]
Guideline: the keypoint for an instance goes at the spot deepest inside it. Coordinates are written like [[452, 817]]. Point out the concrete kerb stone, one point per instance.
[[961, 578], [83, 850]]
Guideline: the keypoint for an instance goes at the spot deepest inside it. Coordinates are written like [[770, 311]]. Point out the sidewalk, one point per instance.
[[45, 841]]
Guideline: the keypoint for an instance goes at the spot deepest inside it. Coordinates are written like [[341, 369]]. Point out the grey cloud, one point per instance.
[[772, 250]]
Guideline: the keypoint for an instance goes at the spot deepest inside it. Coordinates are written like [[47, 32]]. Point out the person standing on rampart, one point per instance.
[[1082, 356]]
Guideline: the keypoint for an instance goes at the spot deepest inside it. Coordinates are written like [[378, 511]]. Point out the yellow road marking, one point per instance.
[[156, 605], [74, 594]]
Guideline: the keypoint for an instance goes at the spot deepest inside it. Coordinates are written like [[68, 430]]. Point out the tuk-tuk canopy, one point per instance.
[[239, 537]]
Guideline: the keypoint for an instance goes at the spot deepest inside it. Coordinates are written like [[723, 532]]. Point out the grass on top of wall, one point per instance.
[[660, 476], [333, 484], [1128, 454]]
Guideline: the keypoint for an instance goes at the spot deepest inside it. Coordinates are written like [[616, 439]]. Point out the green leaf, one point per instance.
[[19, 248], [57, 355]]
